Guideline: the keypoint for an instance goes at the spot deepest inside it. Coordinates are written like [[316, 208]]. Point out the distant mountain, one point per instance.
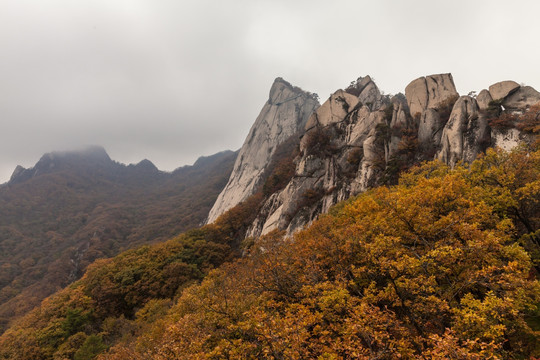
[[74, 207]]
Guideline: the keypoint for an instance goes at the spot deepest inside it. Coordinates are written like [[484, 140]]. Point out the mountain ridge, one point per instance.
[[360, 138], [74, 207]]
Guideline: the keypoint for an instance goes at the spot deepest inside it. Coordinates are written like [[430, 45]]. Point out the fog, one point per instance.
[[173, 80]]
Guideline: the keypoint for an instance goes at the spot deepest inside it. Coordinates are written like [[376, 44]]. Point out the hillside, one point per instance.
[[72, 208], [437, 267], [382, 227]]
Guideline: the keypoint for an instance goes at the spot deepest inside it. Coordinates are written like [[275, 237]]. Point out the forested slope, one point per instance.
[[441, 266], [75, 207]]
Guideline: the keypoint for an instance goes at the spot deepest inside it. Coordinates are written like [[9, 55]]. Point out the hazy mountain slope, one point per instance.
[[101, 308], [74, 207]]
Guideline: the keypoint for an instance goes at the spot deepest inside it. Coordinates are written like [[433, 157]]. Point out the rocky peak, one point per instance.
[[338, 156], [502, 89], [284, 115], [351, 144], [146, 166], [17, 173], [87, 157], [430, 92]]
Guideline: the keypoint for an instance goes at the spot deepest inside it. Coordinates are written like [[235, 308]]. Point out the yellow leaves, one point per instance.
[[429, 268], [484, 319], [449, 346]]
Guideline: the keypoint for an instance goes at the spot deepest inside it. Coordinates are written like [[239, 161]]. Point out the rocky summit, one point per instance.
[[282, 116], [360, 138]]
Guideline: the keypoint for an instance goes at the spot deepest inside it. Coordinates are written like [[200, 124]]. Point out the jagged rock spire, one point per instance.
[[284, 114]]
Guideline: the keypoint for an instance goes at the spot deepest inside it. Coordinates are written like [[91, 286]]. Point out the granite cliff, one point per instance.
[[284, 115], [360, 138]]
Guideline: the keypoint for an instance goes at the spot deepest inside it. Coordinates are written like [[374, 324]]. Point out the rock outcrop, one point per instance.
[[483, 100], [284, 114], [522, 98], [430, 92], [360, 138], [340, 153], [465, 134], [502, 89]]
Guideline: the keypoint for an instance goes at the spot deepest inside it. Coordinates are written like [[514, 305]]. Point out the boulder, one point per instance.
[[370, 96], [417, 96], [464, 135], [362, 82], [522, 98], [502, 89], [430, 92], [333, 110], [483, 99]]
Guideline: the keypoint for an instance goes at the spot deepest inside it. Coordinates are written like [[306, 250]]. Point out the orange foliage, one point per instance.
[[427, 269]]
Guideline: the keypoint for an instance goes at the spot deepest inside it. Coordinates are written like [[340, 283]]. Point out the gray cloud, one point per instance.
[[172, 80]]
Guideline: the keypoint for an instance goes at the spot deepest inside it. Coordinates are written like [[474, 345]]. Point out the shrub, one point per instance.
[[503, 122], [309, 198], [355, 156], [445, 108], [529, 122], [319, 143], [389, 112], [281, 168]]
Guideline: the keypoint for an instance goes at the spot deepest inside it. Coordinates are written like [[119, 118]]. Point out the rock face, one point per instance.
[[430, 100], [502, 89], [464, 135], [430, 92], [339, 156], [284, 114], [359, 139], [521, 98]]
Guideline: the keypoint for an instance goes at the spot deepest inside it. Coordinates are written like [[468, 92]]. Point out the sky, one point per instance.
[[170, 81]]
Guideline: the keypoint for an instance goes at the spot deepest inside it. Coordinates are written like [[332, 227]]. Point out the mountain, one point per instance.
[[437, 267], [359, 139], [414, 259], [74, 207], [283, 115]]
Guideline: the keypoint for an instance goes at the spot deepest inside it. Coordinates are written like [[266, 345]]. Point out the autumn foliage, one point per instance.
[[432, 268], [441, 266]]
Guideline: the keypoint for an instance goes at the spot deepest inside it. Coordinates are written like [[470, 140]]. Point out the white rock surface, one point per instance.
[[483, 99], [429, 92], [507, 139], [522, 98], [465, 133], [284, 114], [502, 89]]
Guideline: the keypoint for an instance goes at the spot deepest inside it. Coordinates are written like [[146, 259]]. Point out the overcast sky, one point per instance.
[[172, 80]]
